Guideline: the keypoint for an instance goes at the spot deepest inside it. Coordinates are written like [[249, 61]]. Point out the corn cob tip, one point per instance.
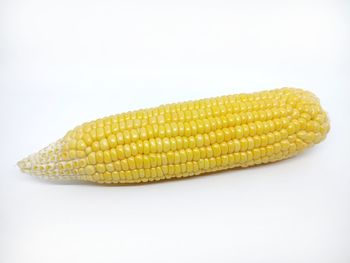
[[21, 164], [185, 139], [42, 162]]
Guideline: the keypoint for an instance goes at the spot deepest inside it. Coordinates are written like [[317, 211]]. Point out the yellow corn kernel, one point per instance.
[[117, 166], [95, 146], [107, 157], [92, 158], [90, 169], [104, 144], [99, 157], [110, 167], [100, 168], [185, 139]]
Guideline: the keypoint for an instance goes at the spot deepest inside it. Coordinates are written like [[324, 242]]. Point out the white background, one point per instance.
[[66, 62]]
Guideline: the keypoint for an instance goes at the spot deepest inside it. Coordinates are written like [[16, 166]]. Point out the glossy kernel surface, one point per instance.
[[185, 139]]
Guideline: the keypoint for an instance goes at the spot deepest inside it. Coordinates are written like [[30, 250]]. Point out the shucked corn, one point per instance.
[[185, 139]]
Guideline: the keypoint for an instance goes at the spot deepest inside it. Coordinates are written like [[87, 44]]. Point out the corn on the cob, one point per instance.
[[185, 139]]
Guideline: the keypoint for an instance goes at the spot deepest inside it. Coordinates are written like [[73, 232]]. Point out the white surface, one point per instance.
[[66, 62]]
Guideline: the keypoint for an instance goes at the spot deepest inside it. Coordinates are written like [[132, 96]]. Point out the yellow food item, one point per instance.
[[185, 139]]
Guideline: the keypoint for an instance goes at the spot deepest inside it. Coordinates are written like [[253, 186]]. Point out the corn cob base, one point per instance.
[[185, 139]]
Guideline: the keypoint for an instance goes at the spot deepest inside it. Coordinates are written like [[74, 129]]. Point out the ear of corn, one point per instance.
[[185, 139]]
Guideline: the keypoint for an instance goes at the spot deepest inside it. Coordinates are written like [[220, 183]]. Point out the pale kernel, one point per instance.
[[81, 145], [117, 166], [89, 169], [72, 154], [110, 167]]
